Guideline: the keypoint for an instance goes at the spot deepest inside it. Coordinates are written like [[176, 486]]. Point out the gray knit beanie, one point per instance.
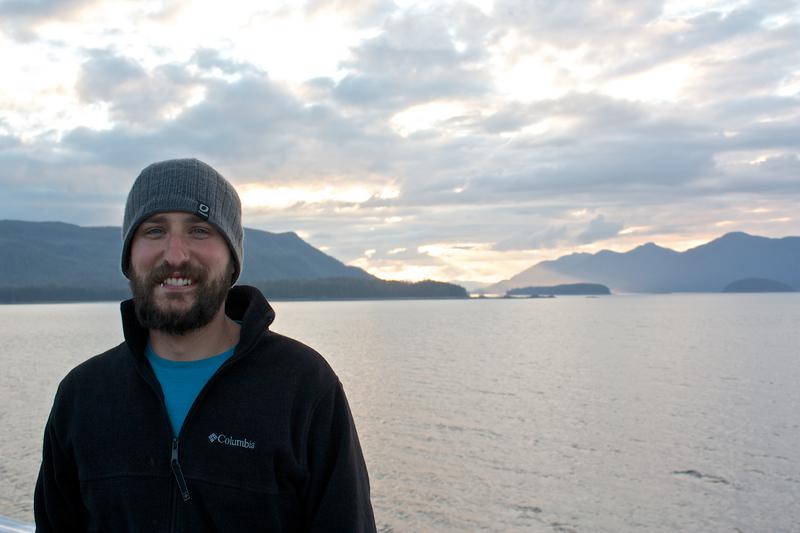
[[190, 186]]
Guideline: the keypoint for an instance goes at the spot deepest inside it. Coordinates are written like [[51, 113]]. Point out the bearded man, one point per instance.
[[202, 419]]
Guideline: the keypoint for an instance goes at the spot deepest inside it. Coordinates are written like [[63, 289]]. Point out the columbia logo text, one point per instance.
[[231, 441]]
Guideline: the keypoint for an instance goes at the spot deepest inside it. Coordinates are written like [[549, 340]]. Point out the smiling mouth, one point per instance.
[[177, 282]]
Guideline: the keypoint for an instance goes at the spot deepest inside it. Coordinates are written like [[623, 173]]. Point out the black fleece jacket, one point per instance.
[[268, 445]]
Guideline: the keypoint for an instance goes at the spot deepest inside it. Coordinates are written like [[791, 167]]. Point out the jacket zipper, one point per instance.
[[176, 470], [174, 463], [173, 503]]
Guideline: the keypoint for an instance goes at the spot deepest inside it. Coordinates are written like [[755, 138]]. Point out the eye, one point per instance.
[[200, 231], [152, 231]]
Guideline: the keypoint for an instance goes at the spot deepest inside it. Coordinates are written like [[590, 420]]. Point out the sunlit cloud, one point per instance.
[[526, 73], [529, 79], [635, 229], [196, 95], [425, 116], [659, 84], [388, 192], [693, 8], [279, 42], [255, 195], [457, 249]]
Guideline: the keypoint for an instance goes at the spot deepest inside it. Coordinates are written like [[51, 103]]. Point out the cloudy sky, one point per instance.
[[454, 140]]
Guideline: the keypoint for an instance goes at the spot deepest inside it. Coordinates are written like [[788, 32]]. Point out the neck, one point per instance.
[[219, 335]]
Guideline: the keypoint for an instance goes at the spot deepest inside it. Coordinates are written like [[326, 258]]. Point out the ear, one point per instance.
[[232, 271]]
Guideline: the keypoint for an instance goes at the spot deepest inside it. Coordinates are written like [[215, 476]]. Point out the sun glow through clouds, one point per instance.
[[406, 272]]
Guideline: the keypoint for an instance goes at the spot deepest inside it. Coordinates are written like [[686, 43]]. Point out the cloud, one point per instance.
[[590, 142], [572, 21], [415, 59], [361, 12], [19, 18], [41, 8], [599, 230], [9, 142], [548, 237], [134, 95], [209, 60]]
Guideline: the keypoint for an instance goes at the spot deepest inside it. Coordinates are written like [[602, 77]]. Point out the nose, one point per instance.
[[177, 251]]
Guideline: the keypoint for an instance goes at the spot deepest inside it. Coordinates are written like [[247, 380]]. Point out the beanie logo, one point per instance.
[[202, 210]]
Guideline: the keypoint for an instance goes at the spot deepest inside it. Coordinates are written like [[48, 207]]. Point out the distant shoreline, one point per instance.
[[416, 298], [410, 298], [293, 289]]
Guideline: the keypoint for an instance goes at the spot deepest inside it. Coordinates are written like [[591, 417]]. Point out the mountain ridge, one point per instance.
[[57, 261], [652, 268], [64, 254]]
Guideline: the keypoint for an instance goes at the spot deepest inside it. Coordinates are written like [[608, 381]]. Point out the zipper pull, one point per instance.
[[176, 469]]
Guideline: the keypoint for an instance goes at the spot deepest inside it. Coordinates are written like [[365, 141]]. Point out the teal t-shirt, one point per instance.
[[181, 381]]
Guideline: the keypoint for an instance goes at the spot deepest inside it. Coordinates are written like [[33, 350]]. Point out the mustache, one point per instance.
[[165, 270]]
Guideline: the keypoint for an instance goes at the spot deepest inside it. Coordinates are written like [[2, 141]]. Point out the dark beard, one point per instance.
[[209, 297]]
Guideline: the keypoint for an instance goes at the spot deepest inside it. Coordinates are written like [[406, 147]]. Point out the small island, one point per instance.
[[569, 289], [757, 285]]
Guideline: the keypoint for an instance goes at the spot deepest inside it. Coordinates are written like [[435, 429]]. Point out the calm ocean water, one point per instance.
[[622, 413]]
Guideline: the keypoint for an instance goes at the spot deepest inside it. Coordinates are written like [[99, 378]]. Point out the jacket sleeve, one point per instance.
[[337, 495], [57, 504]]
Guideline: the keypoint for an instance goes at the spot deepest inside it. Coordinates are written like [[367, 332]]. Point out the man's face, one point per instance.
[[180, 272]]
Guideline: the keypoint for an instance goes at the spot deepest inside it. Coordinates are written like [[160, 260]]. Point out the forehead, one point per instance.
[[173, 217]]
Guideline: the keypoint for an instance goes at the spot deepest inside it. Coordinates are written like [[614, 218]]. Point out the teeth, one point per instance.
[[176, 282]]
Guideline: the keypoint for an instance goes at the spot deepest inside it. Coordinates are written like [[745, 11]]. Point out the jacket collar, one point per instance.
[[244, 303]]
